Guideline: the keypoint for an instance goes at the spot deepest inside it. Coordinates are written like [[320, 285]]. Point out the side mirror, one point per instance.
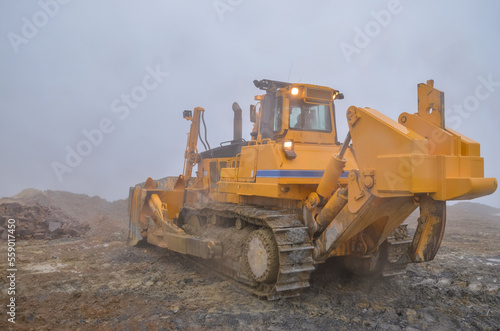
[[253, 113]]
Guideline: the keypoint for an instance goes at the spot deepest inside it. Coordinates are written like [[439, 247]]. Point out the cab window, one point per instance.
[[310, 117]]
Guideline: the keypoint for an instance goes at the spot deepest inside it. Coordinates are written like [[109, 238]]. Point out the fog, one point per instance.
[[128, 69]]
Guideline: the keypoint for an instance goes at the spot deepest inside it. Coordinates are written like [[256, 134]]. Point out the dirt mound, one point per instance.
[[40, 222], [82, 206], [54, 214], [474, 208], [472, 218], [105, 218], [98, 282], [32, 196], [463, 216]]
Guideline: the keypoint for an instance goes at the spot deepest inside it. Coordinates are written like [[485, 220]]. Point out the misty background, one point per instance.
[[67, 68]]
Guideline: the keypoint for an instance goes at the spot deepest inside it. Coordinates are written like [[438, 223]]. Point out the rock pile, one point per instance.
[[39, 222], [57, 214]]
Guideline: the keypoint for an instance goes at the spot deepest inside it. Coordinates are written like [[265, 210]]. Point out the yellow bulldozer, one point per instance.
[[268, 210]]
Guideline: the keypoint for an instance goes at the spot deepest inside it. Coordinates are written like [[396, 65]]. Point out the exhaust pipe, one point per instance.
[[237, 124]]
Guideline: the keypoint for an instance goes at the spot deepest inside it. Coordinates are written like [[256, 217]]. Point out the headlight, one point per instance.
[[295, 91], [337, 95], [288, 147]]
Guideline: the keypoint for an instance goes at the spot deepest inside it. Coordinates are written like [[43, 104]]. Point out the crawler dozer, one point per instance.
[[268, 210]]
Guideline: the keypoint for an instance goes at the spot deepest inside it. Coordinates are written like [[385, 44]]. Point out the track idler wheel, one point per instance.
[[261, 256]]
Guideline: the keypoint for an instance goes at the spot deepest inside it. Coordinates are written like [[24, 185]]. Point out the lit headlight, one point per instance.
[[337, 95], [295, 91], [288, 146]]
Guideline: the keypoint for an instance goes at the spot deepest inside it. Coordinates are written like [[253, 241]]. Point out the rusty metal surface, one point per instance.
[[430, 230], [135, 206]]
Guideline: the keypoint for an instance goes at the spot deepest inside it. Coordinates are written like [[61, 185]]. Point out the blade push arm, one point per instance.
[[191, 153]]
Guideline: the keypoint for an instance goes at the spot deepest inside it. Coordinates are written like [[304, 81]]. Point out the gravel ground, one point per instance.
[[98, 282]]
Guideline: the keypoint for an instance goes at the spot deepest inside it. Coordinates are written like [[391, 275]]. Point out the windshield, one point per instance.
[[310, 117]]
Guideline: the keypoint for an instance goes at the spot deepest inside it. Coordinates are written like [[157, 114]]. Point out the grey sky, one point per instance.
[[69, 74]]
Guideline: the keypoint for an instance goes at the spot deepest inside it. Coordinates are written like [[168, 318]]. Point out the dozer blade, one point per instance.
[[149, 219], [134, 233], [183, 243], [137, 213], [430, 230]]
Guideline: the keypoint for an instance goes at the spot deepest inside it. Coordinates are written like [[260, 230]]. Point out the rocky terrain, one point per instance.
[[83, 276], [55, 214]]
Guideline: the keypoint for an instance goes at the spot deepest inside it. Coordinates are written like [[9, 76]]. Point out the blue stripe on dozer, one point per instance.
[[294, 174]]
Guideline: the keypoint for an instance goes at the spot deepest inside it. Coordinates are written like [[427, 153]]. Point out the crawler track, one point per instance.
[[293, 243]]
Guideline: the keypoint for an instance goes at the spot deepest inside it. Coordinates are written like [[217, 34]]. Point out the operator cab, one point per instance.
[[309, 117], [302, 113]]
